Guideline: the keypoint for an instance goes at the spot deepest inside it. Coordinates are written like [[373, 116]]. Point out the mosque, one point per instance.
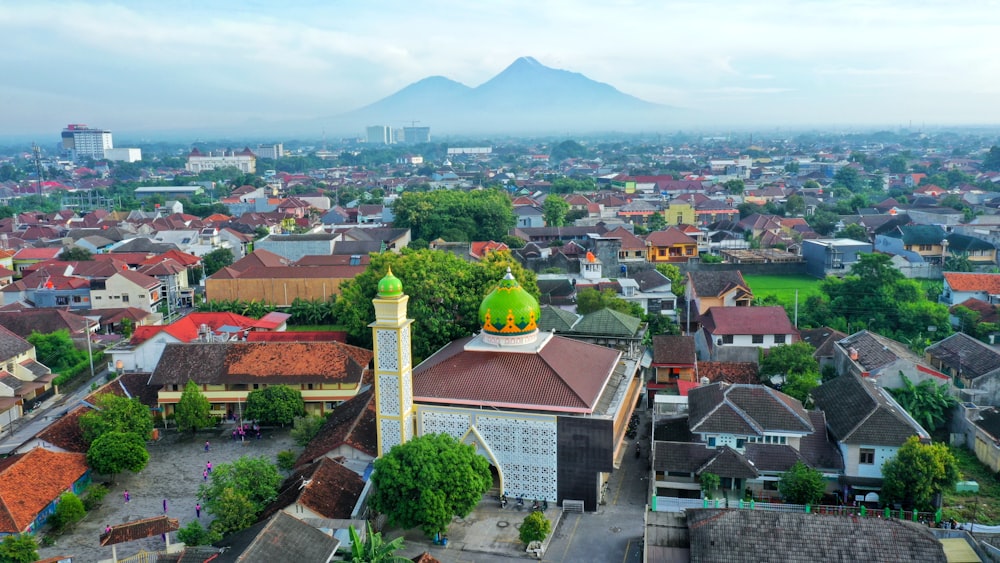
[[548, 412]]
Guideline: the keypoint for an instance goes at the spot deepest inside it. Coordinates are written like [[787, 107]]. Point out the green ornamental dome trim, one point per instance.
[[509, 310], [390, 286]]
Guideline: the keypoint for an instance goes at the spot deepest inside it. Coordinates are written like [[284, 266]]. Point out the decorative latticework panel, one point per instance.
[[406, 380], [404, 337], [526, 451], [388, 353], [391, 434], [388, 395], [453, 424]]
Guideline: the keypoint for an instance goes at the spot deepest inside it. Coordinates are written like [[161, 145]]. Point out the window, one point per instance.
[[62, 300], [711, 441], [661, 251], [256, 385], [867, 456], [779, 338], [727, 338], [757, 338], [77, 299], [124, 298], [309, 386], [740, 442], [924, 247]]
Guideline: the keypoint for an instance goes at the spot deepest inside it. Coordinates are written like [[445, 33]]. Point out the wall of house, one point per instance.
[[586, 450], [891, 376], [987, 451], [785, 269], [145, 356], [8, 416], [988, 390], [120, 292], [852, 456], [72, 298], [747, 340], [275, 291]]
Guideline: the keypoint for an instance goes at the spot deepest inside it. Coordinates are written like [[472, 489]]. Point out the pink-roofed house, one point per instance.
[[28, 256], [747, 327]]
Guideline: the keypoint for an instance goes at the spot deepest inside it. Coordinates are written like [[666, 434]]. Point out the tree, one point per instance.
[[427, 481], [193, 409], [476, 215], [217, 260], [536, 527], [195, 534], [992, 159], [305, 428], [254, 478], [116, 414], [797, 364], [114, 452], [958, 262], [589, 300], [928, 403], [795, 205], [856, 232], [275, 404], [802, 484], [554, 211], [678, 281], [374, 549], [233, 511], [850, 179], [56, 350], [76, 253], [734, 187], [656, 222], [917, 473], [69, 511], [709, 482], [445, 293], [567, 149], [18, 548]]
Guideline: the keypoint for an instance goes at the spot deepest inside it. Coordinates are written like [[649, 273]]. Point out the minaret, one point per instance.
[[393, 372]]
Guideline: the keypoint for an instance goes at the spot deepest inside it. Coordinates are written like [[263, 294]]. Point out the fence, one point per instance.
[[673, 504]]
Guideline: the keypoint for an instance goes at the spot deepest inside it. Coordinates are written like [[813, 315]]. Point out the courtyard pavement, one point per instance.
[[174, 472]]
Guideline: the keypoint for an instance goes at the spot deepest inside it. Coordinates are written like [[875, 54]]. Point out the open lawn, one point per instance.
[[962, 506], [783, 287]]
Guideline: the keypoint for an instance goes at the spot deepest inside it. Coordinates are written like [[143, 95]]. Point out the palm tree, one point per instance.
[[373, 549]]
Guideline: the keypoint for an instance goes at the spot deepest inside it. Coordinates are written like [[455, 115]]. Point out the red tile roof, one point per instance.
[[959, 281], [139, 529], [565, 375], [747, 320], [30, 482], [729, 372], [669, 237], [37, 253], [297, 336], [186, 328], [332, 491], [352, 423]]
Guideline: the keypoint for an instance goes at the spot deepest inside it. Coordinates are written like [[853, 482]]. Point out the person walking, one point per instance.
[[197, 510], [164, 506], [204, 474], [126, 495], [208, 466], [208, 446], [107, 529]]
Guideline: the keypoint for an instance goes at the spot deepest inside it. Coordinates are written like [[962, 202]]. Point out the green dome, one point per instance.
[[390, 286], [509, 310]]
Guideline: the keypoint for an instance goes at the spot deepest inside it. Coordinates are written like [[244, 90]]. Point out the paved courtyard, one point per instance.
[[174, 472]]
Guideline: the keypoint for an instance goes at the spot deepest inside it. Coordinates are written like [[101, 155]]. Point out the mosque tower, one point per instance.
[[393, 369]]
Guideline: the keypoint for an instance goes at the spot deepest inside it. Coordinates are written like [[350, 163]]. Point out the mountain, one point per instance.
[[526, 97]]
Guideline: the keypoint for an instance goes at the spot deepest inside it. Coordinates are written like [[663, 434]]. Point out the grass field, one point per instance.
[[783, 287]]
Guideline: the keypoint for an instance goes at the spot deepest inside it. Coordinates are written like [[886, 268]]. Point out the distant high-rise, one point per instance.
[[245, 161], [413, 135], [273, 151], [378, 135], [81, 141]]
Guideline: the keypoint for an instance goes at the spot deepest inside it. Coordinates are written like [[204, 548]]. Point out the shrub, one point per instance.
[[69, 510], [536, 527], [305, 428], [286, 460], [94, 495], [195, 534]]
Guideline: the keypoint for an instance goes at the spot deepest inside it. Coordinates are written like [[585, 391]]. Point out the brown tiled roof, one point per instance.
[[65, 433], [715, 283], [773, 457], [137, 386], [987, 311], [858, 412], [745, 409], [12, 345], [565, 374], [673, 350], [747, 320], [965, 282], [822, 339], [139, 529], [425, 558], [727, 462], [261, 362], [351, 423], [29, 482], [875, 350], [286, 538], [965, 355], [817, 448], [742, 536], [682, 457], [669, 237], [45, 321], [729, 372], [332, 491]]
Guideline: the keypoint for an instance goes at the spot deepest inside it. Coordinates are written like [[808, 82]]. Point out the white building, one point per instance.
[[273, 151], [83, 142], [378, 135], [245, 161], [123, 155]]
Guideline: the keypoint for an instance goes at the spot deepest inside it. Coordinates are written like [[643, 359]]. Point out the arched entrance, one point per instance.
[[475, 439]]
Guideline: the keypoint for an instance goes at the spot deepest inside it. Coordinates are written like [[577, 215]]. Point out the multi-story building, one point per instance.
[[413, 135], [245, 161], [81, 141], [378, 135], [273, 151]]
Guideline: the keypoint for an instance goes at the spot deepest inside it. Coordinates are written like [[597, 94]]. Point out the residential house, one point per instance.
[[275, 282], [823, 339], [748, 435], [717, 288], [348, 434], [679, 212], [923, 240], [961, 286], [869, 427], [605, 327], [128, 288], [883, 360], [45, 321], [326, 373], [143, 350], [978, 251], [742, 327], [31, 484], [279, 538], [653, 292], [294, 247], [670, 245], [24, 381], [632, 249], [974, 366], [674, 359], [25, 257], [832, 257]]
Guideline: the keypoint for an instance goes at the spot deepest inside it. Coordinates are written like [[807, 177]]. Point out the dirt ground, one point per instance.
[[174, 473]]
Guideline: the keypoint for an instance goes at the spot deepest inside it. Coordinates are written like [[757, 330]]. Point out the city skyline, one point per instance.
[[152, 67]]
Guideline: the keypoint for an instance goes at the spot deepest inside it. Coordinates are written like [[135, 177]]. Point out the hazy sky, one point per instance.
[[139, 66]]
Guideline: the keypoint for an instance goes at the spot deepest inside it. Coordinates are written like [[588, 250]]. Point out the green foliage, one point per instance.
[[567, 149], [710, 259], [305, 428], [856, 232], [18, 548], [589, 300], [554, 211], [374, 549], [256, 479], [734, 187], [656, 222], [56, 350], [850, 179], [445, 293], [928, 403], [709, 482], [217, 260], [463, 216], [76, 253], [427, 481], [569, 185], [958, 262], [802, 484], [312, 311], [253, 309], [992, 159], [93, 496], [797, 364], [917, 473], [116, 414], [68, 512], [275, 404], [536, 527], [195, 534], [233, 511], [192, 410], [286, 460], [114, 452], [678, 281]]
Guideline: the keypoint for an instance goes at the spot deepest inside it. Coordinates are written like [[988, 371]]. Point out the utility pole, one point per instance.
[[36, 154], [796, 308]]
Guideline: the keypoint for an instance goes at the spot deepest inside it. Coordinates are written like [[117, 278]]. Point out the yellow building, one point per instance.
[[679, 213]]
